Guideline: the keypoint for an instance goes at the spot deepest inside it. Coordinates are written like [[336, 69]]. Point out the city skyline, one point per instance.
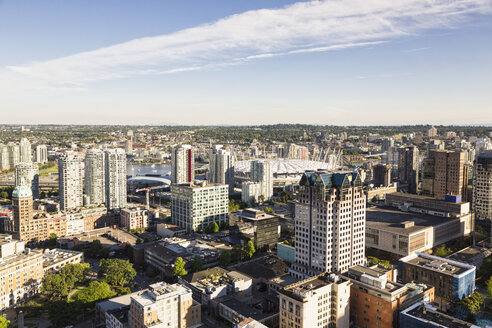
[[336, 62]]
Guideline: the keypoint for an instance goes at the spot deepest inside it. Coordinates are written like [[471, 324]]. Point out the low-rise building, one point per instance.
[[376, 301], [56, 259], [421, 315], [451, 207], [164, 305], [320, 301], [403, 233], [250, 323], [166, 230], [256, 225], [134, 218], [452, 280]]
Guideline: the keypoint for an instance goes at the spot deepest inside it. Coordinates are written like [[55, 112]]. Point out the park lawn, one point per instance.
[[48, 171]]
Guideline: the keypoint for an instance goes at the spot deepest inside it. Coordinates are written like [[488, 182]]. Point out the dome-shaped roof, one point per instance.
[[22, 191]]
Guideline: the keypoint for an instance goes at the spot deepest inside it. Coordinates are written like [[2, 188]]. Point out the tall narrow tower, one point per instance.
[[70, 181], [221, 167], [115, 161], [95, 180], [182, 164]]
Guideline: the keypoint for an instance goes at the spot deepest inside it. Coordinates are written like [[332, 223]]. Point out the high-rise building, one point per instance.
[[260, 185], [165, 304], [330, 215], [320, 301], [482, 188], [387, 144], [182, 164], [41, 154], [408, 168], [95, 178], [25, 151], [23, 210], [21, 272], [4, 157], [29, 173], [444, 173], [382, 175], [221, 167], [129, 146], [14, 155], [115, 161], [195, 207], [432, 132], [70, 181]]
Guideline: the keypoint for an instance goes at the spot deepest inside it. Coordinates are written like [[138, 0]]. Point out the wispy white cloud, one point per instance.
[[303, 27]]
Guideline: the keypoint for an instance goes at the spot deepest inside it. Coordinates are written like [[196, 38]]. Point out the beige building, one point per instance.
[[21, 271], [320, 301], [134, 218], [164, 306]]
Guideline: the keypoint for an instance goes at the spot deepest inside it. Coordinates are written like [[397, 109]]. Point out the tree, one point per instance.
[[116, 272], [75, 273], [4, 323], [212, 228], [196, 265], [261, 199], [62, 313], [472, 302], [249, 249], [233, 206], [55, 286], [269, 210], [489, 287], [442, 251], [94, 292], [179, 267], [225, 258], [374, 260], [4, 194]]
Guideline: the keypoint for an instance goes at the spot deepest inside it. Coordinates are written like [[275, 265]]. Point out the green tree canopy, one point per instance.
[[212, 228], [249, 249], [4, 195], [442, 251], [179, 267], [62, 313], [473, 302], [55, 286], [488, 283], [236, 253], [269, 210], [97, 290], [233, 206], [225, 258], [197, 263], [116, 272], [4, 323]]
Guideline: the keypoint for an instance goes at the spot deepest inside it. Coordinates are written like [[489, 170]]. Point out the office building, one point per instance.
[[452, 280], [450, 207], [14, 154], [4, 158], [387, 144], [21, 272], [29, 172], [164, 305], [432, 132], [221, 167], [376, 300], [256, 225], [320, 301], [422, 315], [115, 181], [408, 168], [22, 207], [41, 154], [134, 218], [25, 151], [95, 178], [195, 207], [182, 164], [402, 232], [330, 217], [70, 181], [482, 188], [260, 186], [382, 175], [444, 173]]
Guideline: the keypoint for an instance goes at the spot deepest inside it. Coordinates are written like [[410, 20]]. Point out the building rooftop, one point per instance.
[[305, 288], [439, 264], [253, 214], [117, 302], [246, 310], [429, 315], [390, 219], [422, 198], [57, 255], [266, 267]]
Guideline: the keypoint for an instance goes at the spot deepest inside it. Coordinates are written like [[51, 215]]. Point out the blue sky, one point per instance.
[[246, 62]]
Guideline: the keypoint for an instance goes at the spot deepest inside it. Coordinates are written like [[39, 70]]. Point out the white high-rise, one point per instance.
[[182, 164], [41, 154], [4, 157], [14, 155], [115, 171], [29, 173], [94, 180], [70, 180], [330, 217], [221, 167], [25, 151], [261, 182]]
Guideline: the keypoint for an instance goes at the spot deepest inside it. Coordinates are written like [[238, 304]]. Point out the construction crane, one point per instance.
[[147, 194]]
